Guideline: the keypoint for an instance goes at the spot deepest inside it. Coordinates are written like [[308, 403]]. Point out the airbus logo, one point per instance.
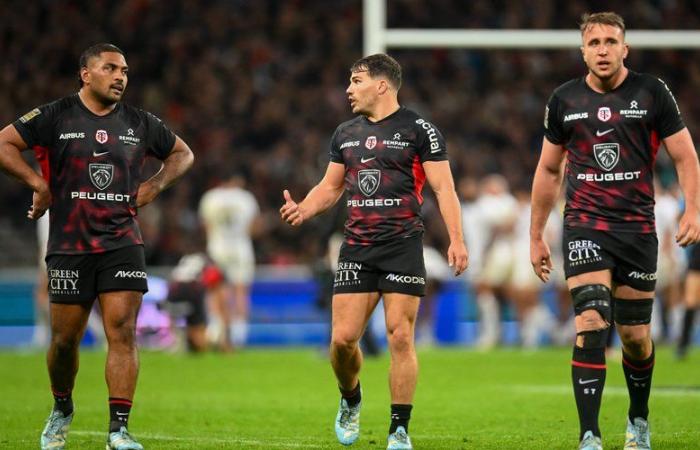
[[73, 135]]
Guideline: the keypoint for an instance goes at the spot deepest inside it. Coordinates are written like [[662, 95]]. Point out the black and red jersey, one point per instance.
[[93, 166], [611, 140], [384, 174]]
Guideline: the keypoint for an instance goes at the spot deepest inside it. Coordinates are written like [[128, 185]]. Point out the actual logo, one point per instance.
[[607, 155], [101, 175], [101, 136], [368, 181], [604, 114], [371, 142]]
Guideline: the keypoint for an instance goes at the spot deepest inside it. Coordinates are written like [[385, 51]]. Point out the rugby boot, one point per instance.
[[590, 442], [122, 440], [56, 430], [399, 440], [347, 422], [637, 436]]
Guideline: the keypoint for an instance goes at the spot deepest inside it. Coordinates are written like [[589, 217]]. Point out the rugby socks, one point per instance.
[[353, 396], [588, 376], [400, 415], [119, 409], [638, 377], [63, 401], [687, 331]]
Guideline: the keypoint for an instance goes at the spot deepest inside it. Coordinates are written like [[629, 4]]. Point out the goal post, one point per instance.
[[378, 38]]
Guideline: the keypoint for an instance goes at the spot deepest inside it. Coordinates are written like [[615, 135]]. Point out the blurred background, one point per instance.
[[256, 88]]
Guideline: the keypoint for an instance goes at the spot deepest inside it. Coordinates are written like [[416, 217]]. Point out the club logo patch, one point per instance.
[[368, 181], [371, 142], [101, 175], [101, 136], [607, 155], [604, 114]]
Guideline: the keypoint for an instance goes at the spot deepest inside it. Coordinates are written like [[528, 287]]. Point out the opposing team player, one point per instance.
[[382, 159], [96, 146], [609, 125], [229, 213]]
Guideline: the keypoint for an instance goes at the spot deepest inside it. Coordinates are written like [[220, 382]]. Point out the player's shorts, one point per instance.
[[186, 301], [394, 266], [632, 257], [79, 278], [236, 260], [694, 258], [498, 263]]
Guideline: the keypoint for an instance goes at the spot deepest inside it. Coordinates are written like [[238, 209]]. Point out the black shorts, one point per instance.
[[630, 256], [79, 278], [694, 258], [394, 266], [186, 301]]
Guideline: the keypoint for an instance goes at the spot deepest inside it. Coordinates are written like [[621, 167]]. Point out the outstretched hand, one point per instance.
[[290, 211]]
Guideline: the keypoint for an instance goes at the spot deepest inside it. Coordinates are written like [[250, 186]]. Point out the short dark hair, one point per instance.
[[380, 64], [94, 52], [602, 18]]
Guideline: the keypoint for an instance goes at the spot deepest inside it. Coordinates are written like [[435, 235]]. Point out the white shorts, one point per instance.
[[236, 261]]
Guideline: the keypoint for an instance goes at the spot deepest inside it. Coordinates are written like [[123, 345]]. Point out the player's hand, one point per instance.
[[146, 194], [41, 200], [290, 211], [688, 229], [458, 257], [541, 259]]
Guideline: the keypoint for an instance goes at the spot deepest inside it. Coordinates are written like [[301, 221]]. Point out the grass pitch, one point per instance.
[[287, 399]]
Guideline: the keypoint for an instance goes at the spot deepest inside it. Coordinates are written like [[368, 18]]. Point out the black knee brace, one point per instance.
[[593, 297], [633, 312]]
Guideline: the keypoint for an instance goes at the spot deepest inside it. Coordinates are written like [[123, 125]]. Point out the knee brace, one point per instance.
[[593, 297], [633, 312]]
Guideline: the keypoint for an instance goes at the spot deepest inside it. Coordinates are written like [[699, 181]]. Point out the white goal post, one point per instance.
[[377, 37]]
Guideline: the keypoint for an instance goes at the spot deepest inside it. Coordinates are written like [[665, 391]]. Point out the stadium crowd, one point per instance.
[[258, 87]]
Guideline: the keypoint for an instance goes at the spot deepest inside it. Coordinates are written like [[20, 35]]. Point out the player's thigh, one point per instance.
[[400, 311], [119, 312], [590, 319], [632, 312], [350, 314], [692, 288], [68, 321]]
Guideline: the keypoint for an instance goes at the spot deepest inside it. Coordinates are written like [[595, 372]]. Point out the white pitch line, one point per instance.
[[609, 390], [160, 437]]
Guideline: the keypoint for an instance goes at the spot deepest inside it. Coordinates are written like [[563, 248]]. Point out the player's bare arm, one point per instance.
[[440, 179], [545, 190], [681, 149], [11, 161], [321, 197], [179, 160]]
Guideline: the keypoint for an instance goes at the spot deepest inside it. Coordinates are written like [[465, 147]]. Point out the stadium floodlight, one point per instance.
[[377, 37]]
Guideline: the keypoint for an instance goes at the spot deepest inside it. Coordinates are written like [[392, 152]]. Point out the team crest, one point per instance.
[[101, 175], [371, 142], [607, 155], [368, 181], [101, 136], [604, 114]]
